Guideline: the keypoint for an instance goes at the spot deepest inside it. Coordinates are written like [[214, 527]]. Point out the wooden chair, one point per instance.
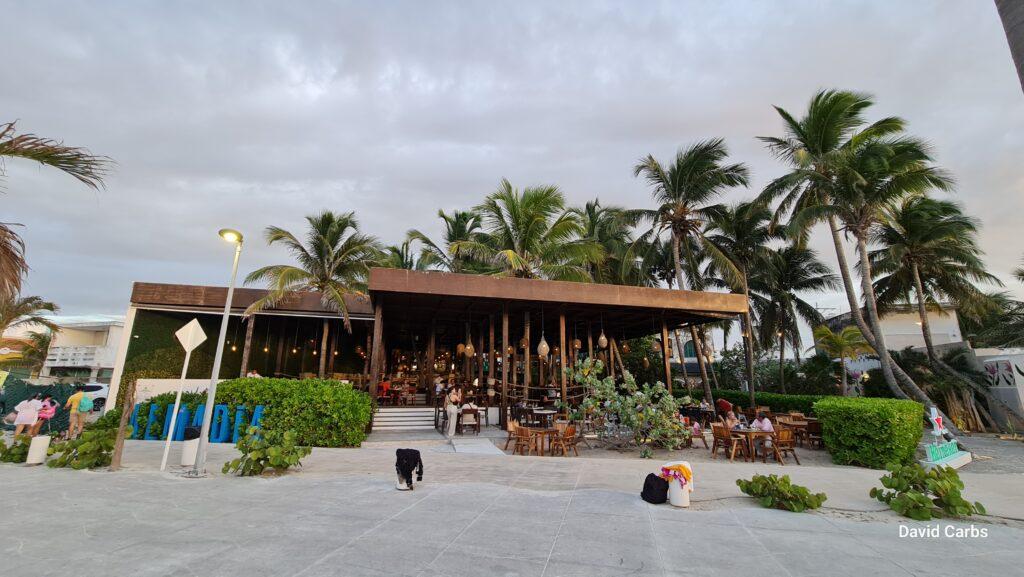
[[814, 434], [566, 440], [511, 428], [727, 442], [471, 419], [797, 416], [784, 441], [525, 441]]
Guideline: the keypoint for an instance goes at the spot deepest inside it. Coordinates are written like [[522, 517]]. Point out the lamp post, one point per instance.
[[199, 470]]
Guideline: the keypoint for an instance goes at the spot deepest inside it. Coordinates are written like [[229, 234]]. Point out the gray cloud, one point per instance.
[[248, 114]]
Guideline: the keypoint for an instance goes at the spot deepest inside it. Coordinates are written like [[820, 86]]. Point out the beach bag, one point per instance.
[[85, 405], [655, 489]]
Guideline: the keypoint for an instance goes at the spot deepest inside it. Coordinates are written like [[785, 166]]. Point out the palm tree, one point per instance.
[[611, 227], [21, 311], [817, 147], [789, 271], [737, 242], [929, 250], [1019, 273], [881, 172], [401, 256], [33, 353], [684, 193], [78, 162], [530, 234], [335, 261], [459, 226], [846, 344]]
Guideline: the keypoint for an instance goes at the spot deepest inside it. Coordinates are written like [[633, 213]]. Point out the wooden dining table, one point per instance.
[[750, 435], [539, 434]]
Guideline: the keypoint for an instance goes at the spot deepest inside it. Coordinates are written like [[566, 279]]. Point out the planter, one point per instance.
[[37, 450], [188, 452]]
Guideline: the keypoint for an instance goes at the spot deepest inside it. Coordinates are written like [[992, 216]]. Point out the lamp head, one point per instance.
[[231, 235]]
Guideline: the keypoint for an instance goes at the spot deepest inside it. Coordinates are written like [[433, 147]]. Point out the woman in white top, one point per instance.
[[451, 408], [28, 413]]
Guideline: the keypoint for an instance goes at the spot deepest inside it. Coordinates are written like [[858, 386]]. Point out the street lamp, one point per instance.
[[199, 469]]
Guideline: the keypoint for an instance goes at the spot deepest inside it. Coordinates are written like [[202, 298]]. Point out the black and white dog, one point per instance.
[[406, 461]]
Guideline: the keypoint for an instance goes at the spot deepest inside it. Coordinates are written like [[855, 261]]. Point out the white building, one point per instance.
[[85, 348]]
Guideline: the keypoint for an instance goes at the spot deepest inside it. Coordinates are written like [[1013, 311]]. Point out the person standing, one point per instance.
[[451, 409], [47, 412], [76, 417], [28, 414]]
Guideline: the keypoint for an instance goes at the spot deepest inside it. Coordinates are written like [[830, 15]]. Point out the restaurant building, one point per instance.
[[505, 339]]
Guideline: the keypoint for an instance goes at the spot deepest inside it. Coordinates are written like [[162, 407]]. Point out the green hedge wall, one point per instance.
[[778, 402], [323, 413], [870, 432]]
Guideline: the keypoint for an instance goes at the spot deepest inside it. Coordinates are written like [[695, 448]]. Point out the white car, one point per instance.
[[98, 393]]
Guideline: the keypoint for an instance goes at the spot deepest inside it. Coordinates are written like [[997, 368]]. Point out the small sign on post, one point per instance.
[[943, 453], [190, 336]]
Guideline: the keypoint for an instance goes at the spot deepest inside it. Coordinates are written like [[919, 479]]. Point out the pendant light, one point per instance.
[[542, 347], [469, 350], [295, 345], [266, 342], [602, 341], [625, 343], [647, 363], [657, 341]]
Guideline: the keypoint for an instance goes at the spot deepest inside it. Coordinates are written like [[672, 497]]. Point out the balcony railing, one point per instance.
[[80, 356]]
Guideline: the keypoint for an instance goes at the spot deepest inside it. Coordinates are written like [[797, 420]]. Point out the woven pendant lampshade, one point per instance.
[[542, 347]]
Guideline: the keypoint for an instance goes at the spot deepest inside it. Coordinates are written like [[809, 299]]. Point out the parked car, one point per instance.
[[98, 393]]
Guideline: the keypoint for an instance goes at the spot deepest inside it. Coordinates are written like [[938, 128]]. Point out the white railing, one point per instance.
[[81, 356]]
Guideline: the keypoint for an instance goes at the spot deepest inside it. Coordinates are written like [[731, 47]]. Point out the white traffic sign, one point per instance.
[[191, 335]]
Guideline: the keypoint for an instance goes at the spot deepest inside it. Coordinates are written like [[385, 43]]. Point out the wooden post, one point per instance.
[[590, 343], [490, 348], [466, 360], [250, 323], [502, 418], [280, 349], [617, 356], [480, 361], [665, 349], [430, 360], [561, 360], [611, 357], [366, 359], [376, 352], [526, 358]]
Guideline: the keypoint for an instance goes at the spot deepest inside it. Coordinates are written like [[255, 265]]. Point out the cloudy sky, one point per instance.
[[247, 114]]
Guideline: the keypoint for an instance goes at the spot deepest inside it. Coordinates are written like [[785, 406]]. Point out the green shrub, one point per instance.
[[322, 413], [919, 494], [776, 492], [90, 450], [266, 449], [17, 452], [870, 432], [778, 402], [110, 420]]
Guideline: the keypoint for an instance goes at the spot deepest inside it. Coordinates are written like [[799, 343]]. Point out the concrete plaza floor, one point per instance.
[[475, 515]]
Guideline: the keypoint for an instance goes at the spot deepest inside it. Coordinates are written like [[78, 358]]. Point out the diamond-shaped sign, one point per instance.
[[191, 335]]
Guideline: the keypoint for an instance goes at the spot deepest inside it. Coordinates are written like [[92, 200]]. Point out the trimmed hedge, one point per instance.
[[870, 432], [323, 413], [778, 402]]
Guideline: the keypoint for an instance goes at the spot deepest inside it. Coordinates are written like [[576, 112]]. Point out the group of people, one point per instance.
[[34, 412]]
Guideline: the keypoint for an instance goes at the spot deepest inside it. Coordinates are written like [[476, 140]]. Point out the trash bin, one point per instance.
[[190, 447], [37, 450]]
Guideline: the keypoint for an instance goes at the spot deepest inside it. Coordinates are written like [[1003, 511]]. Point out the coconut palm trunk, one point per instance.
[[323, 349], [855, 313], [748, 338], [782, 354], [698, 345], [843, 387], [938, 363]]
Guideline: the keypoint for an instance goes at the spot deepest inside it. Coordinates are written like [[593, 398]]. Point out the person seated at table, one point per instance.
[[704, 406], [763, 423], [385, 388], [730, 420], [723, 406]]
